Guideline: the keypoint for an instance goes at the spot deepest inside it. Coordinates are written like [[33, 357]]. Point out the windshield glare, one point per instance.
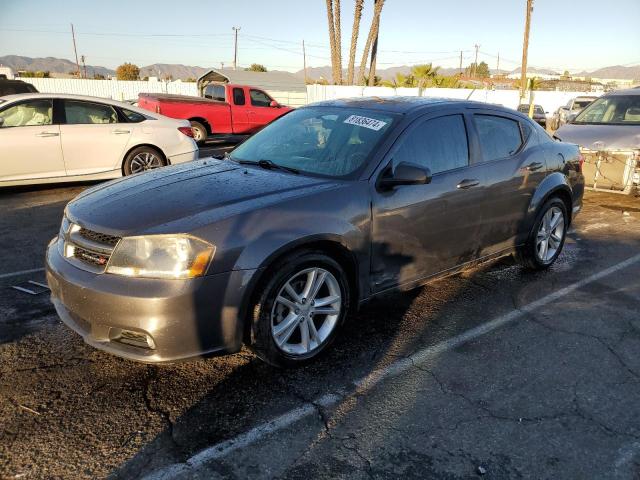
[[325, 141], [614, 110]]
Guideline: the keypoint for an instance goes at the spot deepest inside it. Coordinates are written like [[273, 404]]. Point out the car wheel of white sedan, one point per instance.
[[142, 159]]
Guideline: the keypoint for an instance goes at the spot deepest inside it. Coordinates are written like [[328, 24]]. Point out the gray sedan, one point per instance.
[[326, 208]]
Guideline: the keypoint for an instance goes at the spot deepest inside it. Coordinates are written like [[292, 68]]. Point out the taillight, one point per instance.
[[581, 162], [187, 131]]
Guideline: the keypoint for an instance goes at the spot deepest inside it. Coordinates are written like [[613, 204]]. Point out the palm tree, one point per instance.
[[424, 74], [373, 32], [338, 41], [332, 40], [400, 81], [355, 31]]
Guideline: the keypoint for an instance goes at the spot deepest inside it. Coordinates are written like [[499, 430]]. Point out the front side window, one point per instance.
[[238, 96], [500, 137], [259, 99], [333, 142], [613, 110], [439, 144], [29, 113], [79, 113]]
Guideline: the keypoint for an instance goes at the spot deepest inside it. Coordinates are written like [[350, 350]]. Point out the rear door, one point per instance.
[[261, 111], [420, 230], [515, 164], [30, 141], [93, 136]]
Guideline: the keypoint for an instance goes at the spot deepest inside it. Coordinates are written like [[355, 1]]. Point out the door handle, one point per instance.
[[468, 183], [532, 167], [47, 134], [121, 132]]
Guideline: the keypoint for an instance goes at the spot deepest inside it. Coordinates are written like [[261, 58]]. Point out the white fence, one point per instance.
[[129, 90], [550, 101]]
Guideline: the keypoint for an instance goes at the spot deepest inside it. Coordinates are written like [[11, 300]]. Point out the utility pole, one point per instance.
[[498, 65], [235, 50], [374, 55], [304, 60], [460, 62], [221, 65], [525, 49], [84, 66], [73, 35], [475, 65]]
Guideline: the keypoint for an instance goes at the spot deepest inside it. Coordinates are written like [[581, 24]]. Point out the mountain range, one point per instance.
[[163, 70]]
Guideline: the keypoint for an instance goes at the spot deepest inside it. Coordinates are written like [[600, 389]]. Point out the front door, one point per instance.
[[261, 111], [420, 230], [93, 137], [29, 141]]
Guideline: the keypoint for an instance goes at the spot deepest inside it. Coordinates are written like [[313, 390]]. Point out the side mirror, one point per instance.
[[274, 104], [571, 117], [405, 174], [1, 121]]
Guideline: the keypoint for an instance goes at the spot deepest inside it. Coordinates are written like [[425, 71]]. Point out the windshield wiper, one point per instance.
[[269, 165]]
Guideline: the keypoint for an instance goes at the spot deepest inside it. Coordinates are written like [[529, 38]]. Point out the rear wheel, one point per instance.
[[199, 132], [547, 236], [300, 309], [141, 159]]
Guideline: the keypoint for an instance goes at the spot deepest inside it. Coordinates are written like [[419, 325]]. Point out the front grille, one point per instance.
[[87, 256], [88, 249], [110, 240]]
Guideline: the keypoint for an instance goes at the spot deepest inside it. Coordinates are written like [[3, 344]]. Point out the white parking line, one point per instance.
[[398, 367], [20, 272]]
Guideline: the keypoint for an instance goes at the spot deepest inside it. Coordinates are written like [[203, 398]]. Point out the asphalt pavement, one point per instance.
[[493, 373]]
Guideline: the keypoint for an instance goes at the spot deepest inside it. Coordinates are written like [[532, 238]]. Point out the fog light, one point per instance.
[[129, 337]]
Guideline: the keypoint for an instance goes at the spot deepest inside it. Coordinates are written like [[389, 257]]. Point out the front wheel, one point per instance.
[[547, 236], [300, 309]]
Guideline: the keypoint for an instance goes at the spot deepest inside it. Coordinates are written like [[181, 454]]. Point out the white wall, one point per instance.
[[550, 101], [129, 90]]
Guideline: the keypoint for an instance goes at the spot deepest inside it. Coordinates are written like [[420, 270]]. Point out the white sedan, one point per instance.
[[59, 138]]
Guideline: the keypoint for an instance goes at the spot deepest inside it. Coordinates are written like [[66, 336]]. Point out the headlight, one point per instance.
[[161, 256]]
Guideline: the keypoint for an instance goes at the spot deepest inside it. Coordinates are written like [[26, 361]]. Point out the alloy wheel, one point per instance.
[[306, 311], [145, 161], [550, 234]]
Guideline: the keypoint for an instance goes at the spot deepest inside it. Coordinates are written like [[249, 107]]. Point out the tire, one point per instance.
[[200, 133], [533, 255], [141, 159], [274, 307]]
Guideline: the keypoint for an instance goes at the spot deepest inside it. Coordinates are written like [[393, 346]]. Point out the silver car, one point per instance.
[[608, 132]]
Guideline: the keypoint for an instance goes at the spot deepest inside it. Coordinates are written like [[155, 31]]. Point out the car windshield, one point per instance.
[[580, 104], [612, 110], [326, 141], [524, 108]]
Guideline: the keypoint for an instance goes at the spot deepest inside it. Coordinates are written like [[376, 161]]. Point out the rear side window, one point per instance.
[[215, 92], [238, 96], [259, 99], [500, 137], [82, 113], [440, 144], [134, 117]]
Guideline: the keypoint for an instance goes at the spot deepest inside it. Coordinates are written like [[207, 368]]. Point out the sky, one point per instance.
[[565, 34]]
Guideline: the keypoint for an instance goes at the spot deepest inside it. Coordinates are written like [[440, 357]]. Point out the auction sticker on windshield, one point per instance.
[[365, 122]]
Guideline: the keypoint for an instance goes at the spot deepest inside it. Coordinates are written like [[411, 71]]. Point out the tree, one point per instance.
[[401, 81], [333, 19], [373, 32], [127, 71], [481, 71], [98, 76], [424, 74], [256, 67], [355, 32], [36, 74]]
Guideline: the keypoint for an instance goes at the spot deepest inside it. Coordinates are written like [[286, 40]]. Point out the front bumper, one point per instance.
[[183, 318], [184, 157]]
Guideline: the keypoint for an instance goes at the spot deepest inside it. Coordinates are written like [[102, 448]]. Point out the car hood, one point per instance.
[[601, 137], [163, 200]]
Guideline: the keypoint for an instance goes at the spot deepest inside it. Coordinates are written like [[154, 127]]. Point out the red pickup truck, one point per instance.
[[224, 109]]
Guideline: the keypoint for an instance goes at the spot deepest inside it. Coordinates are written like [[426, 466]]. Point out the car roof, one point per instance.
[[400, 104], [28, 96], [626, 92]]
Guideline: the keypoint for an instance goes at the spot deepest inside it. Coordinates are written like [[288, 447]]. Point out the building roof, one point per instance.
[[275, 80]]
